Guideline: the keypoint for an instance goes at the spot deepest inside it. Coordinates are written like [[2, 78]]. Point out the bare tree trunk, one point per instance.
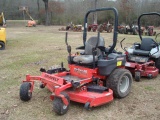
[[94, 6], [38, 5], [46, 10], [38, 9], [95, 14]]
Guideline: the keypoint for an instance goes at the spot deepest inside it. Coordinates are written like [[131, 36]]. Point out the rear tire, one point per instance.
[[2, 46], [25, 94], [120, 81], [157, 63], [58, 106]]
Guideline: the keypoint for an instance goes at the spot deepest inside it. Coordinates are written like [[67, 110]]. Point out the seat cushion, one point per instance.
[[146, 44], [141, 52], [85, 59], [145, 47], [91, 43]]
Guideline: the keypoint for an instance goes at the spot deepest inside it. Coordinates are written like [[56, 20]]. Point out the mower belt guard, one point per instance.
[[138, 59], [96, 88]]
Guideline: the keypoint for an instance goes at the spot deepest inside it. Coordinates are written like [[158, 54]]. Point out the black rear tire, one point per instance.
[[2, 46], [120, 81], [157, 63], [59, 107], [25, 94]]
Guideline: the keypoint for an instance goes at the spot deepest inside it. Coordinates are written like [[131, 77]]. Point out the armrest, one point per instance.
[[137, 45], [81, 47], [102, 48], [153, 45]]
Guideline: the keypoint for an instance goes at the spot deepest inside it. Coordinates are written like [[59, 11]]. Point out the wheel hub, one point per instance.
[[124, 84], [64, 106]]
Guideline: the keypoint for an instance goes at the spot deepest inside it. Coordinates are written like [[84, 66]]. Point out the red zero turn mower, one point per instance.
[[93, 78], [143, 59]]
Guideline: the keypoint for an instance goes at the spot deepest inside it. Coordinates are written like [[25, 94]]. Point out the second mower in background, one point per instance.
[[143, 59]]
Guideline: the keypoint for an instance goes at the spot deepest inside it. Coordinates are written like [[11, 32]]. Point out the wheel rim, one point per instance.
[[124, 84], [64, 106], [29, 94]]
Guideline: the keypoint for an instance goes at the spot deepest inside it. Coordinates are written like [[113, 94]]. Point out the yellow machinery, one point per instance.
[[2, 38], [2, 20]]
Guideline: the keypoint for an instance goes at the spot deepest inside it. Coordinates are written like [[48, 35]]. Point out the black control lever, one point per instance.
[[121, 44], [68, 46]]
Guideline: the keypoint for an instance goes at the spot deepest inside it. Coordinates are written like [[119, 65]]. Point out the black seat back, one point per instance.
[[146, 44], [91, 43]]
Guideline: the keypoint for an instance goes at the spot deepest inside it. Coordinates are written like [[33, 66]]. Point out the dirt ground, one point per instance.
[[29, 49]]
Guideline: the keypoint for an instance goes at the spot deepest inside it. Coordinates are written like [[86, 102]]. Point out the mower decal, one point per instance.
[[122, 58], [51, 77], [80, 71], [127, 64], [119, 63]]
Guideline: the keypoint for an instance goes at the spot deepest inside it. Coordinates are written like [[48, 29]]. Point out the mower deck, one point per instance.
[[147, 69], [75, 87], [94, 98]]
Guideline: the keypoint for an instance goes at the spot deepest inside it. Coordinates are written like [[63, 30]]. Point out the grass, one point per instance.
[[150, 88], [29, 49]]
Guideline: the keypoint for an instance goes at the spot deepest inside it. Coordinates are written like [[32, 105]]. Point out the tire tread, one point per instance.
[[113, 80]]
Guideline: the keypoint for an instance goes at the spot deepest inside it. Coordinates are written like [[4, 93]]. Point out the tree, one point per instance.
[[46, 14], [95, 14], [56, 10], [38, 8]]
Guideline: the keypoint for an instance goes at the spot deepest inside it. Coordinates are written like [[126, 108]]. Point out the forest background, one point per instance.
[[62, 12]]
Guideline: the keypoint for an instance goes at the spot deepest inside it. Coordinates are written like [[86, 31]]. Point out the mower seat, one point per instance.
[[87, 58], [145, 47]]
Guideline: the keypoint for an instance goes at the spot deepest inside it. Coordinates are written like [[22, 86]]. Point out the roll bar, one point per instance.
[[115, 25], [139, 20]]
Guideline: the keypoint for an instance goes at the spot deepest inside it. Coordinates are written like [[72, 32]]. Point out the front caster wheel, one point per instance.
[[150, 76], [59, 107], [25, 93], [137, 76], [42, 86], [87, 106]]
